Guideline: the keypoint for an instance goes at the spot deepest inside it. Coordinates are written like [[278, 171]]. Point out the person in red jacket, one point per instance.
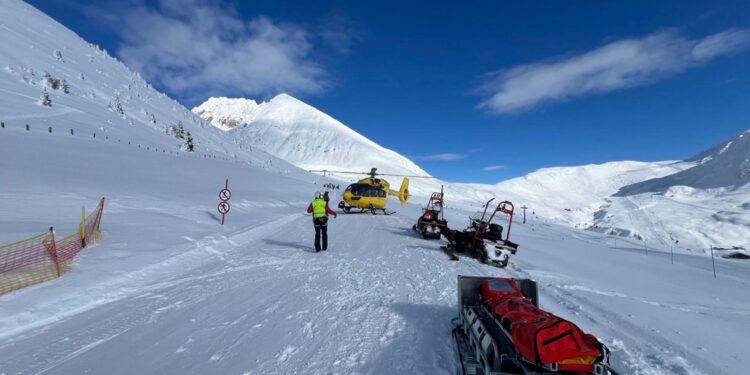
[[320, 210]]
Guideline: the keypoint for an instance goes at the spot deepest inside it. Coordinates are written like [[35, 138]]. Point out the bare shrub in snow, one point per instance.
[[51, 81], [29, 76]]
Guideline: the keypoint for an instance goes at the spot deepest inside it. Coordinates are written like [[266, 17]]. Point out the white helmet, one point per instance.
[[318, 195]]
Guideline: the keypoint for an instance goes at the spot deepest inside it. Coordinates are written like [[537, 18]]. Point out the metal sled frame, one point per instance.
[[505, 207], [436, 200]]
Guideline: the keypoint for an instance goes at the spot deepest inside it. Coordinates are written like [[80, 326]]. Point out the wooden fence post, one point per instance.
[[53, 251]]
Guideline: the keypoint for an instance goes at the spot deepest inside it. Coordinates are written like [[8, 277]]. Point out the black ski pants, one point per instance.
[[321, 233]]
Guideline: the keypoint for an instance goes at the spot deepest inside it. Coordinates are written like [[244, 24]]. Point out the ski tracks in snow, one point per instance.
[[379, 301], [382, 305], [48, 344], [626, 339]]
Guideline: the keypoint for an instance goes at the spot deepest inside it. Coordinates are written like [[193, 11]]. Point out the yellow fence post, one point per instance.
[[83, 226]]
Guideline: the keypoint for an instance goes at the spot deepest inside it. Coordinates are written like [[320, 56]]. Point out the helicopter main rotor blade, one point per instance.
[[404, 175], [368, 173], [327, 171]]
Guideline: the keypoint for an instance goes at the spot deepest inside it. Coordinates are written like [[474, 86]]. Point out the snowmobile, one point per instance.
[[432, 220], [483, 238], [501, 330]]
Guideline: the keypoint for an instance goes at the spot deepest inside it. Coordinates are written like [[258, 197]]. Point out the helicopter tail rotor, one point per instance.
[[403, 192]]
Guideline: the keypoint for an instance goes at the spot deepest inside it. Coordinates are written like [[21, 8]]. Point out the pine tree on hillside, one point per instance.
[[189, 142], [116, 106], [46, 100], [178, 130]]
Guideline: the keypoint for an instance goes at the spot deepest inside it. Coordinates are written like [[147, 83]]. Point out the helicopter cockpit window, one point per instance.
[[360, 190], [365, 190]]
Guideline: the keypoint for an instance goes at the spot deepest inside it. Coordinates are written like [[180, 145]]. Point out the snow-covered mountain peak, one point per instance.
[[227, 113], [301, 134]]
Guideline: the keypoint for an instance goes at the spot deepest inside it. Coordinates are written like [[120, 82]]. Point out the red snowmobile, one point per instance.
[[432, 222], [501, 330], [483, 238]]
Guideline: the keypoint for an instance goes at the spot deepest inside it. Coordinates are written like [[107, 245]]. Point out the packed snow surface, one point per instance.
[[170, 291]]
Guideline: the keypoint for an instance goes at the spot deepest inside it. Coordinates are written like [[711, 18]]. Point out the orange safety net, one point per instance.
[[42, 258]]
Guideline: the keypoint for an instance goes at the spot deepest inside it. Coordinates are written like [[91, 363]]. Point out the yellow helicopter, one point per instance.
[[371, 193]]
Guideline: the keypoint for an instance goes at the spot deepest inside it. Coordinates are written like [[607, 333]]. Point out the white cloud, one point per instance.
[[493, 168], [445, 157], [621, 64], [205, 47]]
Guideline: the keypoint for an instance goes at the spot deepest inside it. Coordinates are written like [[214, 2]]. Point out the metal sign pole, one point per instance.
[[224, 196], [713, 262]]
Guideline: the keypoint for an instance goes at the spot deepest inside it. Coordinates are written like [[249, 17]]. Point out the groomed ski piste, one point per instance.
[[170, 291]]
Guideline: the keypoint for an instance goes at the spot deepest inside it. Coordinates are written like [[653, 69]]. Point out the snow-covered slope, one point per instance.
[[170, 291], [727, 165], [302, 135], [573, 194], [91, 92], [684, 217]]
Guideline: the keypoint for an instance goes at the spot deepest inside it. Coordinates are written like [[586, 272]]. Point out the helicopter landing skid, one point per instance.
[[369, 211]]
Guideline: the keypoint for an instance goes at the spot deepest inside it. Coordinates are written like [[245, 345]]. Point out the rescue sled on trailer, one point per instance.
[[500, 330], [432, 222], [483, 239]]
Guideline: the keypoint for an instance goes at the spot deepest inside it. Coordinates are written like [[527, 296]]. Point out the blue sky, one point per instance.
[[476, 91]]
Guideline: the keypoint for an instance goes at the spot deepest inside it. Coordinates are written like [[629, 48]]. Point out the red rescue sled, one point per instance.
[[501, 330]]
